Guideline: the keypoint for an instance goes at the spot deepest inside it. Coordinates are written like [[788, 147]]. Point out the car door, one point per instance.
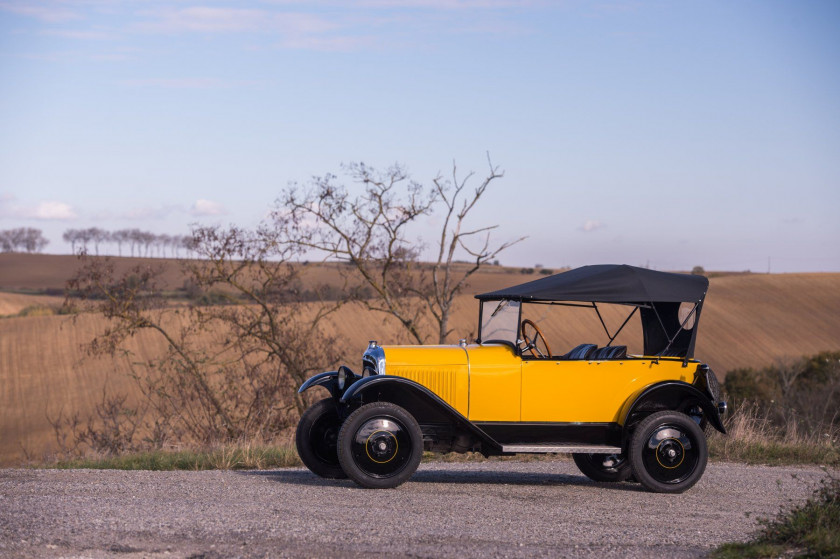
[[573, 391], [495, 383]]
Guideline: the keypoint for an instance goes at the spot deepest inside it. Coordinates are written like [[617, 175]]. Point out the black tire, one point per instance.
[[668, 452], [604, 467], [316, 439], [380, 445]]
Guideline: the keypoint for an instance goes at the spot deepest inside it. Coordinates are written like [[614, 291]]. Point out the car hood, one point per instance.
[[401, 356]]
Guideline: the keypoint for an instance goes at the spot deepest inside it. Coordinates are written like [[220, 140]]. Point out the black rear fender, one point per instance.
[[671, 395]]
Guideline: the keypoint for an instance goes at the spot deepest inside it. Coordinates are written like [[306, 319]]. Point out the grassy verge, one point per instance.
[[809, 530], [752, 438], [772, 453], [222, 458]]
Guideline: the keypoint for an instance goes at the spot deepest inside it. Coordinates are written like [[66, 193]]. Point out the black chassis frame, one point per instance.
[[446, 430]]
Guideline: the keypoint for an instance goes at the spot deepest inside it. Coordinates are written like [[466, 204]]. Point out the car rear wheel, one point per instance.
[[604, 467], [668, 452], [316, 439], [380, 445]]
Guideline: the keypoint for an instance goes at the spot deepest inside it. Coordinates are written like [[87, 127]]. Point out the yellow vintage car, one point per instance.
[[622, 415]]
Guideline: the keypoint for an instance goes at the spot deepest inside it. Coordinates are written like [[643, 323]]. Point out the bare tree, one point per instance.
[[71, 236], [98, 236], [370, 233], [136, 238], [83, 237], [120, 236], [457, 204], [34, 240], [233, 359], [25, 239], [6, 241], [164, 241]]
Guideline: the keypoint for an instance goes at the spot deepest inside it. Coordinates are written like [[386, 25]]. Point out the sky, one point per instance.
[[666, 134]]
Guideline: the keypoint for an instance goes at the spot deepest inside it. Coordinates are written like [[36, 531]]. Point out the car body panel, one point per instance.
[[589, 391], [442, 369], [495, 383], [491, 383]]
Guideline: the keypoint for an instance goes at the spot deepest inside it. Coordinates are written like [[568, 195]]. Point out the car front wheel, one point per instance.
[[668, 452], [317, 439], [380, 445], [604, 467]]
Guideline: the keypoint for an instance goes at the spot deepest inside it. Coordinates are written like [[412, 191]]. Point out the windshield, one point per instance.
[[499, 321]]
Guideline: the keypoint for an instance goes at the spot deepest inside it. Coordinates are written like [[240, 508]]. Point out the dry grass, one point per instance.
[[246, 456], [751, 437]]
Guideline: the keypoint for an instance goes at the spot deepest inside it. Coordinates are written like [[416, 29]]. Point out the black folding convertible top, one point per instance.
[[608, 283], [657, 294]]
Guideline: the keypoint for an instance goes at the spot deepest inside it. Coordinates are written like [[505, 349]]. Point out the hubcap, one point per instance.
[[381, 447], [670, 455]]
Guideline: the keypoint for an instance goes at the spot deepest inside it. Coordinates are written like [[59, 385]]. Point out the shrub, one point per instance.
[[37, 310], [808, 530]]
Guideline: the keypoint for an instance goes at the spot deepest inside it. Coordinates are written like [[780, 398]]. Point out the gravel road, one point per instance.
[[489, 509]]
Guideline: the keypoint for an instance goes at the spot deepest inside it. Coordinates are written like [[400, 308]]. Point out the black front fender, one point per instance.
[[328, 380], [669, 395], [419, 401]]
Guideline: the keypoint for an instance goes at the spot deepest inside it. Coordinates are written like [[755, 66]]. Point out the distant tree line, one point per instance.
[[139, 243], [22, 239]]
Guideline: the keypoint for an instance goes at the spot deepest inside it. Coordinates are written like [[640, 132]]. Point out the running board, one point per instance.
[[560, 448]]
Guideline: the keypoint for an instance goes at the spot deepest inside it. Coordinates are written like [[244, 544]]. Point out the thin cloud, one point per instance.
[[160, 212], [233, 20], [444, 4], [349, 27], [180, 83], [53, 210], [591, 225], [81, 34], [43, 11], [328, 44], [48, 210], [203, 208]]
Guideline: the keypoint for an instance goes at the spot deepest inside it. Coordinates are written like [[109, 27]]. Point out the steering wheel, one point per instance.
[[532, 339]]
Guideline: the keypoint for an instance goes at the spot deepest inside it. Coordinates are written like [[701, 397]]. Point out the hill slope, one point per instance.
[[748, 320]]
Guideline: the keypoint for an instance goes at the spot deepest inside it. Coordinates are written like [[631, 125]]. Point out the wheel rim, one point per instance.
[[323, 438], [670, 454], [381, 447]]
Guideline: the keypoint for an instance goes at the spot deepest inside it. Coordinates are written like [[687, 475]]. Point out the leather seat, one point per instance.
[[609, 352], [581, 352]]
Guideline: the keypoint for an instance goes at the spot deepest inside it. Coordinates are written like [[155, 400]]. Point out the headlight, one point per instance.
[[342, 377]]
